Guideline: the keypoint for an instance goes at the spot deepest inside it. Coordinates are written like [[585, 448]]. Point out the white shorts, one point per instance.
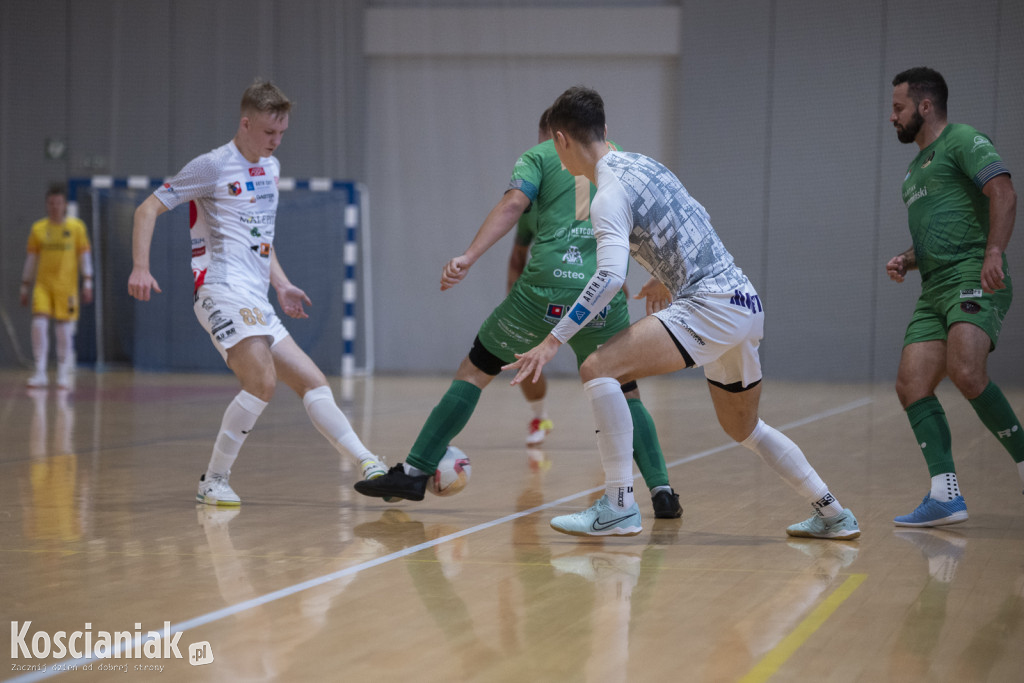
[[721, 333], [230, 315]]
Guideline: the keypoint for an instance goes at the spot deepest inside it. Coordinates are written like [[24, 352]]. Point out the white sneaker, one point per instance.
[[600, 519], [537, 430], [38, 380], [215, 491], [372, 467], [66, 377]]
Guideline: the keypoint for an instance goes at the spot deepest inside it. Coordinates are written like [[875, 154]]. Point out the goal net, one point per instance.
[[321, 240]]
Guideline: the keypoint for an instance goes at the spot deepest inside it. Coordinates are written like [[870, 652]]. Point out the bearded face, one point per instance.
[[907, 133]]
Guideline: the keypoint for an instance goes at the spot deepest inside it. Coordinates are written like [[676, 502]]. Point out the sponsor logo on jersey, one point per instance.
[[262, 219], [971, 293], [568, 274], [207, 303], [980, 141], [167, 186], [582, 230], [579, 314], [915, 194], [971, 307], [554, 313], [573, 257], [249, 186], [256, 171], [235, 188], [263, 248], [255, 232], [599, 320], [198, 251]]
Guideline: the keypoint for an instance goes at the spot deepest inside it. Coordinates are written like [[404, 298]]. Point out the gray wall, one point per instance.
[[774, 114]]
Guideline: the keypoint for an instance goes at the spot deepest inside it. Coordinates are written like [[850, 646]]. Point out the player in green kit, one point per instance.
[[961, 207], [562, 256], [526, 231]]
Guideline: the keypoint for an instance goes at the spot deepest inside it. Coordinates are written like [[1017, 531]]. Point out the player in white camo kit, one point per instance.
[[705, 313], [233, 196]]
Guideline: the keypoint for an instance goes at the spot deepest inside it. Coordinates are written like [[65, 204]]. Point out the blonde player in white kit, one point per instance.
[[233, 195], [705, 314]]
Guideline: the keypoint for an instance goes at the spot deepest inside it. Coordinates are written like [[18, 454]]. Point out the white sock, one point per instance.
[[239, 419], [539, 410], [614, 438], [786, 458], [64, 335], [332, 423], [40, 342], [413, 471], [945, 487]]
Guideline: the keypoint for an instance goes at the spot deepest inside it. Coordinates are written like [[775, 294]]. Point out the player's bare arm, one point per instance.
[[141, 282], [1002, 208], [289, 297], [531, 363], [516, 264], [499, 221], [898, 265], [656, 294]]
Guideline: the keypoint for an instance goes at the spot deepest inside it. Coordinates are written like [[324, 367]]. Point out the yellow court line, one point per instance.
[[773, 661]]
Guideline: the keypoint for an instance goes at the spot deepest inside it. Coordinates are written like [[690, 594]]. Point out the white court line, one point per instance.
[[288, 591]]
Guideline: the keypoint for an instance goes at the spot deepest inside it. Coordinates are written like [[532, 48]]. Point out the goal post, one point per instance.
[[322, 241]]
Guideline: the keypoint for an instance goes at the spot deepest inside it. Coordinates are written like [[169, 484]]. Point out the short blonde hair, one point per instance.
[[264, 96]]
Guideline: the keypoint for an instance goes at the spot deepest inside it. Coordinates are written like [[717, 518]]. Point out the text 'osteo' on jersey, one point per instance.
[[232, 211]]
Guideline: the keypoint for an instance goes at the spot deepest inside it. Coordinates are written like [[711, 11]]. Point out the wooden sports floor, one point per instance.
[[309, 581]]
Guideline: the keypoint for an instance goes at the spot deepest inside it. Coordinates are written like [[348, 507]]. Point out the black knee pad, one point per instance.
[[487, 362], [628, 386]]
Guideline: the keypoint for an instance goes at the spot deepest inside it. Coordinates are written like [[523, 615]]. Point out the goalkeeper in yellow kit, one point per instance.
[[58, 251]]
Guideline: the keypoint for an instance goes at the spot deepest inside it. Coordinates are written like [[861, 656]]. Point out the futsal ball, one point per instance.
[[452, 473]]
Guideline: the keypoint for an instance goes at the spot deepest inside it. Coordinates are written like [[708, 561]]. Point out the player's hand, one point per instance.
[[531, 363], [23, 295], [87, 292], [454, 271], [141, 282], [291, 299], [897, 268], [992, 273], [657, 295]]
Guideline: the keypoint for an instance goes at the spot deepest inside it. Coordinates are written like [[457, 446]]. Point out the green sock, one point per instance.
[[931, 428], [446, 420], [996, 414], [646, 449]]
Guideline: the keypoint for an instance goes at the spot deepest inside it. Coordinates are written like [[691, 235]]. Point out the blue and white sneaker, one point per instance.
[[600, 519], [843, 527], [933, 513]]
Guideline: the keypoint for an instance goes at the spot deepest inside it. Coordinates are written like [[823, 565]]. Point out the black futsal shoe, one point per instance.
[[395, 484], [666, 504]]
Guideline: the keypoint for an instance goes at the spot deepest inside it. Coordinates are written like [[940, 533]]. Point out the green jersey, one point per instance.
[[564, 252], [947, 210]]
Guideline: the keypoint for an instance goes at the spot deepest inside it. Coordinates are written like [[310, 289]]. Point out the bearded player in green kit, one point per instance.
[[562, 256], [961, 207]]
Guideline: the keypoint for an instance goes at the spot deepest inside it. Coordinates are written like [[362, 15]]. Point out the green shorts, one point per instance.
[[529, 313], [938, 309]]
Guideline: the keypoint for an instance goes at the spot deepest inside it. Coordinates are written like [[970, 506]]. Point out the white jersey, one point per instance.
[[233, 205], [642, 209]]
